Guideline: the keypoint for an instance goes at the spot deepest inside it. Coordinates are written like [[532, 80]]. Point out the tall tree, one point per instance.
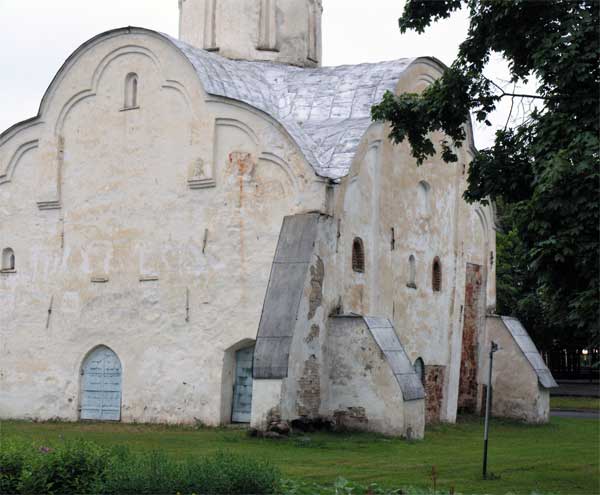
[[545, 169]]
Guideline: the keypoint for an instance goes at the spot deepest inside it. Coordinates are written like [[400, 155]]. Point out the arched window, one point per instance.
[[358, 255], [8, 260], [412, 272], [436, 275], [419, 368], [131, 90], [424, 192]]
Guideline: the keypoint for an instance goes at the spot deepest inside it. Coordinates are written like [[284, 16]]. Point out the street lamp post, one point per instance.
[[488, 404]]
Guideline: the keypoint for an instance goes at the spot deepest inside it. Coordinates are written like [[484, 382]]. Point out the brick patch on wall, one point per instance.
[[467, 389], [434, 392], [309, 384], [351, 418]]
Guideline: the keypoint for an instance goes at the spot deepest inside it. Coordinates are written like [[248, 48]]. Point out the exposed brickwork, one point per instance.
[[317, 273], [274, 415], [309, 393], [350, 419], [467, 390], [313, 334], [434, 392]]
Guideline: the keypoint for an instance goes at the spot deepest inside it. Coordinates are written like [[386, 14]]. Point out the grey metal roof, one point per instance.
[[284, 292], [326, 110], [521, 337], [384, 334]]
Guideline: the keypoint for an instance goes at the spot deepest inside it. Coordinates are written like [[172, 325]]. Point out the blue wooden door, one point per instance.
[[101, 399], [242, 389]]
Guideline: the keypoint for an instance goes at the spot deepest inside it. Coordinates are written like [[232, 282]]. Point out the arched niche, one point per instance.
[[412, 272], [424, 199], [131, 91], [8, 260], [419, 368]]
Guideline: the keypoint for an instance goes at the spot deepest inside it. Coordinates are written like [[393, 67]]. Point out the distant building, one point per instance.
[[212, 228]]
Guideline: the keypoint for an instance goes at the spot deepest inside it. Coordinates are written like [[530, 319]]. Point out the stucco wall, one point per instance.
[[306, 384], [336, 370], [287, 31], [382, 202], [363, 392], [180, 271], [515, 387], [152, 230]]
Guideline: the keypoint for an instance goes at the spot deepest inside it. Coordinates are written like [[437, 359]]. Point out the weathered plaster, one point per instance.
[[285, 31], [516, 390], [185, 270], [363, 392], [152, 229]]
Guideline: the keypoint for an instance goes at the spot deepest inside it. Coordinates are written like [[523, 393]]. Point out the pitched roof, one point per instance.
[[524, 342], [325, 110], [388, 341]]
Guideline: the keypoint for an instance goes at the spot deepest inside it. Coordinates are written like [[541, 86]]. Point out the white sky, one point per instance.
[[36, 36]]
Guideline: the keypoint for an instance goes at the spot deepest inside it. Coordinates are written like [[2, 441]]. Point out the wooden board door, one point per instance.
[[101, 390]]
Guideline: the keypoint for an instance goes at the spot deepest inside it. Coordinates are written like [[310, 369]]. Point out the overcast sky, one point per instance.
[[36, 36]]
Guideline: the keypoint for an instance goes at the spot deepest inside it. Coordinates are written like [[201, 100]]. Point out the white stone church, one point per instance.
[[213, 229]]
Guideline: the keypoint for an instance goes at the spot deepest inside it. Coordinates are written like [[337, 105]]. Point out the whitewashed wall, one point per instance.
[[128, 213], [382, 193]]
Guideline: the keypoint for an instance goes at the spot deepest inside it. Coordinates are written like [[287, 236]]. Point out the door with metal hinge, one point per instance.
[[242, 388], [101, 386]]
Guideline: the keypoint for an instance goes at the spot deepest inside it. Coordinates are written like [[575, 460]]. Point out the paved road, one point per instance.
[[577, 388], [575, 414]]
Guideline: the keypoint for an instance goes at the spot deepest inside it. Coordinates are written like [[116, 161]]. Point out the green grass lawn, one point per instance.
[[582, 403], [559, 458]]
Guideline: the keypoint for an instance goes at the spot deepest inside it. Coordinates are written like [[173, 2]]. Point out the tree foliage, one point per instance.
[[545, 169]]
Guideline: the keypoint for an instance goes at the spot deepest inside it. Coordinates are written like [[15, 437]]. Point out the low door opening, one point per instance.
[[242, 388]]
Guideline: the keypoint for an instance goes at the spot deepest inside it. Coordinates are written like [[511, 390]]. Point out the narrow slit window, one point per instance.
[[412, 272], [436, 275], [358, 255], [8, 260], [131, 91]]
